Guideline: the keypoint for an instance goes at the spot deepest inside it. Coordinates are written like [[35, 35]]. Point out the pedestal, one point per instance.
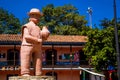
[[31, 78]]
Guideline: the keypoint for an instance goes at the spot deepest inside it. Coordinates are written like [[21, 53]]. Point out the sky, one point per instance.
[[100, 8]]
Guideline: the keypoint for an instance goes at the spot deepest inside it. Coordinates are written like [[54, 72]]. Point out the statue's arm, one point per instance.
[[30, 38]]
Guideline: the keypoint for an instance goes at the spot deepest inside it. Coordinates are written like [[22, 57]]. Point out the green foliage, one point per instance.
[[105, 23], [66, 30], [66, 18], [100, 48], [8, 23]]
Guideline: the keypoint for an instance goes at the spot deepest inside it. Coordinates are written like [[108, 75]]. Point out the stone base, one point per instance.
[[31, 78]]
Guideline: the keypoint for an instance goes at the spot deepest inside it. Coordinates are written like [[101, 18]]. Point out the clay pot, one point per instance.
[[45, 33]]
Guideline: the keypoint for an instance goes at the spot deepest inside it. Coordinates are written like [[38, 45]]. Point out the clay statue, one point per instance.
[[32, 38]]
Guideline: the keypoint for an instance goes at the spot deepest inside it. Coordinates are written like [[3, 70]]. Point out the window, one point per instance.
[[66, 56], [2, 55]]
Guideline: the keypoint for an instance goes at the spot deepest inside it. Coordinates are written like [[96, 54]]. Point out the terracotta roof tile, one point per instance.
[[10, 37], [52, 38], [67, 38]]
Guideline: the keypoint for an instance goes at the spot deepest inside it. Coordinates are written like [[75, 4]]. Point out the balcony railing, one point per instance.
[[58, 63], [9, 63], [15, 65]]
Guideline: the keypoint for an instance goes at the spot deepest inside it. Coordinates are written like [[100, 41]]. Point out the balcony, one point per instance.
[[15, 65], [9, 65]]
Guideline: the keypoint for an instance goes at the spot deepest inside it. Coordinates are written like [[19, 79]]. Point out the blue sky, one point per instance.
[[101, 8]]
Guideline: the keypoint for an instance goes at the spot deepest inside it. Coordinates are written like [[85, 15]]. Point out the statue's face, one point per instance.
[[35, 18]]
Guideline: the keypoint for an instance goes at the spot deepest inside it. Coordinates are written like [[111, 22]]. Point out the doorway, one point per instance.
[[49, 54], [13, 57]]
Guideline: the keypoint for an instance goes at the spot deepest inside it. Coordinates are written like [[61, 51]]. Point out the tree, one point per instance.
[[100, 48], [105, 23], [8, 23], [66, 30], [66, 18]]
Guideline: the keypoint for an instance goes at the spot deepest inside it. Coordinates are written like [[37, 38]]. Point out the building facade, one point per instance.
[[61, 55]]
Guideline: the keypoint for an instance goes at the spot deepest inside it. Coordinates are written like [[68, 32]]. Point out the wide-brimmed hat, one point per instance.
[[35, 11]]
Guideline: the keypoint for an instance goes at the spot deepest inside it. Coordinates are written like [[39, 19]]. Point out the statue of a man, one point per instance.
[[32, 38]]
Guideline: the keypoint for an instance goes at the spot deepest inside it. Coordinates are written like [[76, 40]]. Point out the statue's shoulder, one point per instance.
[[27, 24]]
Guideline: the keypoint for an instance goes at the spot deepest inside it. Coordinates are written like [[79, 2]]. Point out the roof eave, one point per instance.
[[45, 43]]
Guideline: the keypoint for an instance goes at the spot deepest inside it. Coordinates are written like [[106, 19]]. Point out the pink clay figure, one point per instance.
[[32, 38]]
